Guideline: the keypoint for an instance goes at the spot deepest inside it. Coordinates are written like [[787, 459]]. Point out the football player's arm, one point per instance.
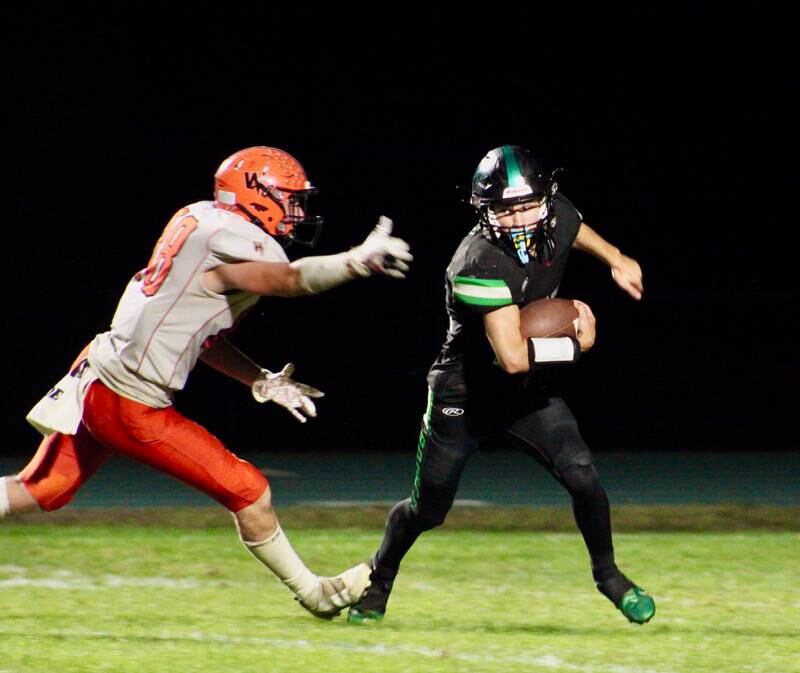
[[266, 386], [516, 355], [229, 360], [625, 270], [277, 279], [380, 253], [509, 346]]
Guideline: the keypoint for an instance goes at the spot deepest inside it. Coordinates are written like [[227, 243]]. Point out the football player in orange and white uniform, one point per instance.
[[212, 263]]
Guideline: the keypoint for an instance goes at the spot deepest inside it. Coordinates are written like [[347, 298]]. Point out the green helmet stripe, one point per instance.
[[515, 178]]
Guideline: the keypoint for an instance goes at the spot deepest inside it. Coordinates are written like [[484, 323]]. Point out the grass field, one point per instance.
[[108, 592]]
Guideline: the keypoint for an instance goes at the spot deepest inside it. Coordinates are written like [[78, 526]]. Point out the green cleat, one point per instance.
[[372, 607], [637, 605], [632, 601], [358, 615]]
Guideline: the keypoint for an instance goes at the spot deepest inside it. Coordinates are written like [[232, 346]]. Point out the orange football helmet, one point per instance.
[[270, 187]]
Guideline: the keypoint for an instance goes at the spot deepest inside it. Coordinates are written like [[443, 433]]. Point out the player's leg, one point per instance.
[[443, 450], [14, 497], [550, 434], [325, 597], [170, 442], [60, 466]]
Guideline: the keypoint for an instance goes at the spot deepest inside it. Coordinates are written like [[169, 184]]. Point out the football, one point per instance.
[[548, 318]]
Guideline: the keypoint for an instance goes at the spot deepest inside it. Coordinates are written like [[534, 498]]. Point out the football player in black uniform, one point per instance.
[[488, 378]]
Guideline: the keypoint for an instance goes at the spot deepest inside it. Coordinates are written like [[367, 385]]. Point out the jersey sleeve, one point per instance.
[[568, 223], [229, 246], [482, 284]]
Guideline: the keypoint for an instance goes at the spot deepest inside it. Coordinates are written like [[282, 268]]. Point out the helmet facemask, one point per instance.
[[295, 224], [526, 240]]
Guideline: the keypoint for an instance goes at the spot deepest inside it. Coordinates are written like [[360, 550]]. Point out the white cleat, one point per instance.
[[332, 594]]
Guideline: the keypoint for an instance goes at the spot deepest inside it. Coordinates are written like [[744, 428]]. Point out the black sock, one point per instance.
[[592, 514], [603, 567], [614, 587], [401, 532]]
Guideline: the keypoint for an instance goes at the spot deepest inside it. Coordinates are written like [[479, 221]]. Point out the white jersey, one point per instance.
[[166, 314]]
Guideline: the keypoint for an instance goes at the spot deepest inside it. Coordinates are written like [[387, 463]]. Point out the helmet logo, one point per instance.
[[257, 182], [514, 192], [251, 180], [452, 411]]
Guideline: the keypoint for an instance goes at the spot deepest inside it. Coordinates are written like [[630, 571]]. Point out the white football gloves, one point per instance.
[[381, 252], [281, 389]]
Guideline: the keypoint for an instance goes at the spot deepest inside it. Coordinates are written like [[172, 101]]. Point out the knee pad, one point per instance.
[[580, 479], [430, 521], [432, 511], [412, 516]]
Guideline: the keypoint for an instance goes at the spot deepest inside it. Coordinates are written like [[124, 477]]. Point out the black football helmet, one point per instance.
[[509, 175]]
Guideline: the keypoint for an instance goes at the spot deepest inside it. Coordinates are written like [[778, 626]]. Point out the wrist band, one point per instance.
[[553, 350]]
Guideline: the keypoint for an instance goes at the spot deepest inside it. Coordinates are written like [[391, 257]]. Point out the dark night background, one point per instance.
[[674, 132]]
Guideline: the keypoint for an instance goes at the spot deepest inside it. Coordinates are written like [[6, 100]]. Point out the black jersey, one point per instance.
[[482, 277]]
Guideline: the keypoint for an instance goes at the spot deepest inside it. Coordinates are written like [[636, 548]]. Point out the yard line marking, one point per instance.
[[70, 581], [546, 660]]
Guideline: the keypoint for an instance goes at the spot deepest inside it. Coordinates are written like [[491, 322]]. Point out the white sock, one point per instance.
[[277, 554], [5, 506]]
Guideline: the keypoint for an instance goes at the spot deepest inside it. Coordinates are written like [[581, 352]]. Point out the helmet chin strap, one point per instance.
[[545, 245], [283, 239], [253, 219]]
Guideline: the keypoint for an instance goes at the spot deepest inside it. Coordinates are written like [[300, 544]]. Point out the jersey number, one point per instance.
[[175, 234]]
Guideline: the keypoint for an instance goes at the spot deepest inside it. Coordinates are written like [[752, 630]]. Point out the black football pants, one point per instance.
[[547, 431]]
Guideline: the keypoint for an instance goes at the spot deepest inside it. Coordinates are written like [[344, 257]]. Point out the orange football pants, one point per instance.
[[161, 438]]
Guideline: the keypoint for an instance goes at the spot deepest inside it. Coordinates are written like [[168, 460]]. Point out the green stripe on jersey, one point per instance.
[[481, 291], [486, 282]]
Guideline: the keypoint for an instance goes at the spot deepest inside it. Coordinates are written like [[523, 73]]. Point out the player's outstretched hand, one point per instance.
[[381, 253], [628, 275], [281, 388]]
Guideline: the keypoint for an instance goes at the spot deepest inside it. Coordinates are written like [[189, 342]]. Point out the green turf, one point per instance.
[[627, 518], [183, 599]]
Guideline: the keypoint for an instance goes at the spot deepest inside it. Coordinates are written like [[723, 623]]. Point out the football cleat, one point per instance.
[[632, 601], [637, 605], [332, 594], [372, 607]]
